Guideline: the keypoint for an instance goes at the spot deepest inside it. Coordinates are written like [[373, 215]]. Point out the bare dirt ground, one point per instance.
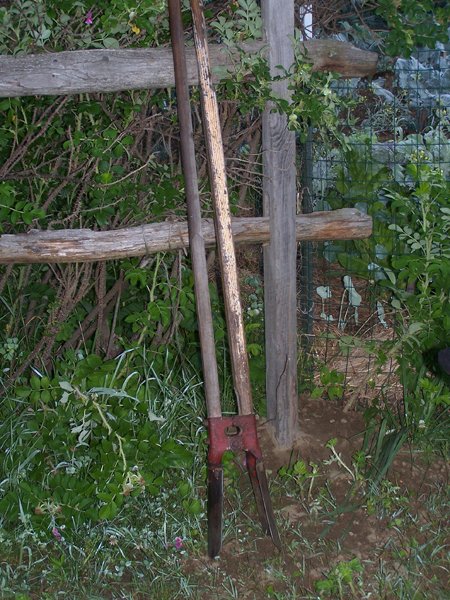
[[329, 520]]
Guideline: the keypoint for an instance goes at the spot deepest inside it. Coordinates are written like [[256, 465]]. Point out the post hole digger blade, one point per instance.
[[236, 433]]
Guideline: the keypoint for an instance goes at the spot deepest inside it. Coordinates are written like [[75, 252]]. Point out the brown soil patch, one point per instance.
[[321, 527]]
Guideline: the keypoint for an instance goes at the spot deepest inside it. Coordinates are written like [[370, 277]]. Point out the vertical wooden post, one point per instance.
[[279, 202]]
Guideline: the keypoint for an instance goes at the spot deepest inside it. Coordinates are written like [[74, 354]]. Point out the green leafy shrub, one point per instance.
[[413, 23], [77, 450], [407, 261], [331, 384], [31, 25], [420, 285], [343, 581]]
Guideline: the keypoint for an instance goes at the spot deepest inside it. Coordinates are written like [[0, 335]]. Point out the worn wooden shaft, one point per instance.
[[224, 235], [86, 245], [196, 241], [80, 71]]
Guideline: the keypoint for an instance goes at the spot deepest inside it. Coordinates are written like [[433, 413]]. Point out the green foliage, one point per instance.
[[30, 26], [81, 137], [13, 211], [331, 384], [364, 179], [387, 499], [78, 450], [88, 164], [408, 258], [343, 581], [254, 332], [245, 23], [392, 27], [94, 165], [422, 226], [412, 24], [9, 348], [313, 101], [420, 285], [301, 476], [359, 183]]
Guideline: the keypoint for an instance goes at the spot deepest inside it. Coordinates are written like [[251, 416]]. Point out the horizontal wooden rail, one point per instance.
[[78, 71], [85, 245]]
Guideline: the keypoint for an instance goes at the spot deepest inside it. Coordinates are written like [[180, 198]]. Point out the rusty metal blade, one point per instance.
[[258, 478], [215, 509]]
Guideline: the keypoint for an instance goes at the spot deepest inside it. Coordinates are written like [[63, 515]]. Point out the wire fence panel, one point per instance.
[[396, 138]]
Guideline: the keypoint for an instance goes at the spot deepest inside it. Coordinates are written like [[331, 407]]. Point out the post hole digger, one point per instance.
[[236, 433]]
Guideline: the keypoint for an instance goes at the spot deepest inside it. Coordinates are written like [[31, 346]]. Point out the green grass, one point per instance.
[[135, 554]]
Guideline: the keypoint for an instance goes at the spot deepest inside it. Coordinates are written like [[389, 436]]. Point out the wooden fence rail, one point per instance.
[[79, 71], [85, 245]]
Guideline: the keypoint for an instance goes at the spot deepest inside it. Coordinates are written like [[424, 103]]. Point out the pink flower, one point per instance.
[[89, 20], [178, 543], [56, 534]]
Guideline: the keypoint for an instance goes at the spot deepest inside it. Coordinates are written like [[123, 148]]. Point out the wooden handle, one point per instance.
[[224, 236], [196, 240]]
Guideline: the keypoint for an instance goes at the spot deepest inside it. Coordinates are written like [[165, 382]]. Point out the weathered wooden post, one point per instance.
[[279, 203]]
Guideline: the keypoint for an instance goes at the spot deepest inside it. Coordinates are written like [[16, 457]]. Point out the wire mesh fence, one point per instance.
[[396, 132]]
